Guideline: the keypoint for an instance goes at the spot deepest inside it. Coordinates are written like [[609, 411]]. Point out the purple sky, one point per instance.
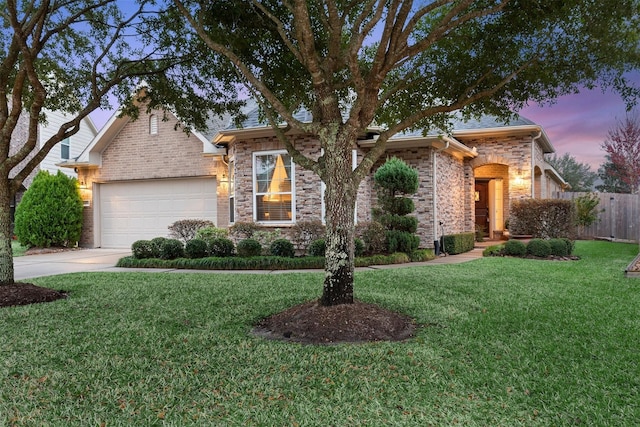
[[576, 124]]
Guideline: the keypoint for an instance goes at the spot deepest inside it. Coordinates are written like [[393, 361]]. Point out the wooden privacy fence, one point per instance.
[[618, 217]]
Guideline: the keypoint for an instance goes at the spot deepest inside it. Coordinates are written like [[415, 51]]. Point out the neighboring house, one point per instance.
[[67, 149], [143, 175]]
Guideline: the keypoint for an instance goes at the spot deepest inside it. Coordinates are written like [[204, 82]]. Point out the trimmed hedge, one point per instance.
[[459, 243], [263, 262], [195, 248], [220, 247], [282, 247], [548, 218]]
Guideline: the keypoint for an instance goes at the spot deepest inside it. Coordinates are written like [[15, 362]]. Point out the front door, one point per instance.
[[482, 206]]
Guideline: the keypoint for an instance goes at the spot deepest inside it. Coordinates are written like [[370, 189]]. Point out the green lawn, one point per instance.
[[504, 342]]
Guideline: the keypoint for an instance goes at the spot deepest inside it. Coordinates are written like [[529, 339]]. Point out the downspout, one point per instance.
[[533, 164], [435, 187]]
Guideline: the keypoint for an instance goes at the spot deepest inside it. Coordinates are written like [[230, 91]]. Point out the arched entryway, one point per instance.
[[491, 199]]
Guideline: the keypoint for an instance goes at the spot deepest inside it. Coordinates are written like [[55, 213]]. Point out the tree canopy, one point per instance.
[[623, 151], [397, 65], [68, 56], [578, 175]]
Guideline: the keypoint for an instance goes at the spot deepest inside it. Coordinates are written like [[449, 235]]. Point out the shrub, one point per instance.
[[171, 249], [421, 255], [156, 246], [186, 229], [243, 230], [317, 248], [400, 223], [515, 248], [358, 247], [142, 249], [402, 241], [249, 248], [571, 245], [373, 235], [305, 232], [543, 219], [208, 233], [195, 248], [50, 213], [558, 247], [282, 247], [267, 237], [494, 250], [539, 248], [458, 243], [220, 247]]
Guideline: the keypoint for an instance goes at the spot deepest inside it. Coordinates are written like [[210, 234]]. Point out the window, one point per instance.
[[64, 149], [232, 191], [153, 124], [273, 187]]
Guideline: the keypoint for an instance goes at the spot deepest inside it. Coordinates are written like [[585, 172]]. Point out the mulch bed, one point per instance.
[[311, 323], [27, 293]]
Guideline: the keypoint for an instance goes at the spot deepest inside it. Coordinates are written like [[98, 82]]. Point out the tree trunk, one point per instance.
[[340, 198], [6, 253]]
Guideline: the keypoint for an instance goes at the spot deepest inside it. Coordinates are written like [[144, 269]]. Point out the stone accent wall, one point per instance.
[[451, 189]]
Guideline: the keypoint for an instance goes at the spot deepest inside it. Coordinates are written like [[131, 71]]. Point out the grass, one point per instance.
[[503, 342], [17, 248]]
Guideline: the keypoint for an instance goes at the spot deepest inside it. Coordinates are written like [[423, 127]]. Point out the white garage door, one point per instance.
[[131, 211]]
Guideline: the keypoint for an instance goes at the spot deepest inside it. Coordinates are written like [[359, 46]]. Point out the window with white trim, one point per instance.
[[232, 191], [153, 124], [65, 149], [273, 187]]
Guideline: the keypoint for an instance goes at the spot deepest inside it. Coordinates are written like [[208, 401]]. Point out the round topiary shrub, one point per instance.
[[249, 247], [539, 248], [558, 247], [282, 247], [156, 246], [220, 247], [142, 249], [196, 248], [515, 248], [50, 212], [171, 249], [317, 248]]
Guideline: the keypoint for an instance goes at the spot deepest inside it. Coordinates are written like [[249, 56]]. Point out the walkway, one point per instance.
[[94, 260]]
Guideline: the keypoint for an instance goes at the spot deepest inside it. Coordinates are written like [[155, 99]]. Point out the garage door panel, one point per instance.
[[131, 211]]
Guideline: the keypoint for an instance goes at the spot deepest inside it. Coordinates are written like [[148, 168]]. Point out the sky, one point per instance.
[[575, 124]]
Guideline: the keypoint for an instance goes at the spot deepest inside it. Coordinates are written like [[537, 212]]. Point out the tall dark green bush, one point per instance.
[[156, 246], [50, 213], [394, 179]]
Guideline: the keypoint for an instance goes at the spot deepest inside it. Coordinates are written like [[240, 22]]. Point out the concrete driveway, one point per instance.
[[82, 260]]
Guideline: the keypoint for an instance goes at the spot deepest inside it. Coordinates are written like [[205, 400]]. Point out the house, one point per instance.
[[66, 149], [140, 176]]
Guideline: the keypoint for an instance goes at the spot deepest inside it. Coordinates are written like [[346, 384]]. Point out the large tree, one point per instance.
[[578, 175], [64, 56], [623, 151], [610, 176], [399, 65]]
